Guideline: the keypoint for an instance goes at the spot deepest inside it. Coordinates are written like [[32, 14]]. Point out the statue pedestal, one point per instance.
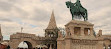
[[79, 29], [79, 35]]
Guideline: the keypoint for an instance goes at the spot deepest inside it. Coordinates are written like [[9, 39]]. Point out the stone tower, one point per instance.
[[99, 33], [51, 32], [1, 37]]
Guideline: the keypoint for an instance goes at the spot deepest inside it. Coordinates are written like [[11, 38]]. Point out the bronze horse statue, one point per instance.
[[76, 9]]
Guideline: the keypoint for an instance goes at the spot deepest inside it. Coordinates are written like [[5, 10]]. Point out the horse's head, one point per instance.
[[68, 4]]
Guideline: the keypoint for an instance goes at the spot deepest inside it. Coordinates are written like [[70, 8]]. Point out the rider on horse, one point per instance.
[[77, 10], [78, 4]]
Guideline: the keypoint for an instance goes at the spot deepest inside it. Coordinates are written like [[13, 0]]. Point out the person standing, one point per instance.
[[8, 47]]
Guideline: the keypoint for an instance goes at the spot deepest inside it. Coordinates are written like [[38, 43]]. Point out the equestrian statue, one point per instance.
[[77, 10]]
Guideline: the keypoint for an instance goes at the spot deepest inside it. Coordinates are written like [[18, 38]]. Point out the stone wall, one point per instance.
[[30, 39]]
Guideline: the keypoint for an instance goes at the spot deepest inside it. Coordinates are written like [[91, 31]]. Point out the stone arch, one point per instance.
[[104, 47], [28, 43], [14, 43]]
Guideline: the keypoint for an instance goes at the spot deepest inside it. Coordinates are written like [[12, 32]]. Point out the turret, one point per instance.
[[51, 33], [99, 33], [51, 30]]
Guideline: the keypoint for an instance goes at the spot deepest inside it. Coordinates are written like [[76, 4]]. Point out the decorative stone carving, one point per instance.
[[68, 33]]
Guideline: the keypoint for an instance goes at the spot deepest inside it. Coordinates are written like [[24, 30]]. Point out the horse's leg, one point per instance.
[[83, 16], [72, 16], [71, 13], [86, 15]]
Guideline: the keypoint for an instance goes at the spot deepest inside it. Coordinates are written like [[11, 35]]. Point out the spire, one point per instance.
[[52, 22]]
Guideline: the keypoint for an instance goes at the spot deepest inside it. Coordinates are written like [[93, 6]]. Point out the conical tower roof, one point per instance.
[[52, 22]]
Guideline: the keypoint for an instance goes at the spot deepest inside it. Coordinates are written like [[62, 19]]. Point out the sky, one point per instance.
[[34, 15]]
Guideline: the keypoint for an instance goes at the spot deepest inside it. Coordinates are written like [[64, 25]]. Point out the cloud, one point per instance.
[[39, 15], [4, 6], [2, 19]]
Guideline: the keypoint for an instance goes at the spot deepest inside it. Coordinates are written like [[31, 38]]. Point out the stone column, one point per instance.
[[67, 33], [91, 31], [82, 31], [72, 31], [50, 46]]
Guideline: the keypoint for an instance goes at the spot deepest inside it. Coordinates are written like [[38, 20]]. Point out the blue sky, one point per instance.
[[34, 15]]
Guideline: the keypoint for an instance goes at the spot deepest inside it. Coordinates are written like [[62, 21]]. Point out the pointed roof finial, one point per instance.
[[52, 22], [21, 29]]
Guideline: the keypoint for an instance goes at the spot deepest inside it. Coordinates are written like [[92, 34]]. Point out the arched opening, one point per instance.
[[25, 45], [87, 31], [108, 47], [104, 47], [77, 30]]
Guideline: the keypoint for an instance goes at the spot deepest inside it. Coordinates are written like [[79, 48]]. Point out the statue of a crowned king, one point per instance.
[[77, 10]]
